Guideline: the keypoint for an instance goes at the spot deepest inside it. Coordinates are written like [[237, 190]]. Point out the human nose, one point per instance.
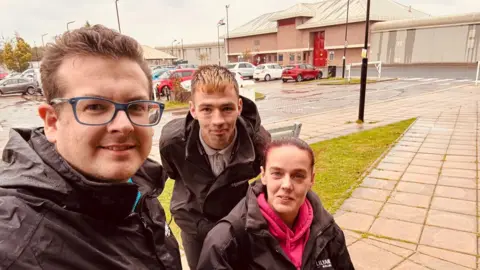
[[120, 123], [286, 182], [217, 118]]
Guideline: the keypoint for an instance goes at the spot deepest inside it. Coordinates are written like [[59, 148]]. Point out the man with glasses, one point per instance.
[[80, 192]]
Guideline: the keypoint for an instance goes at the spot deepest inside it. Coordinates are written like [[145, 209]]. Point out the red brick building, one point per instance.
[[311, 33]]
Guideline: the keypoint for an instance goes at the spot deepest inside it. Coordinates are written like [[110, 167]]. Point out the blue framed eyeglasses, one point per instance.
[[96, 111]]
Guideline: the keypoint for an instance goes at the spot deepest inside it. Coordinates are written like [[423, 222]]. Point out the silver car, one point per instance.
[[244, 68], [18, 85]]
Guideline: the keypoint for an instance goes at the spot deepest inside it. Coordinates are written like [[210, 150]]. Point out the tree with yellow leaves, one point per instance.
[[17, 59]]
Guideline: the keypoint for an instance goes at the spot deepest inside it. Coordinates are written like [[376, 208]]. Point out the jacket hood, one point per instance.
[[255, 220], [30, 164], [249, 115]]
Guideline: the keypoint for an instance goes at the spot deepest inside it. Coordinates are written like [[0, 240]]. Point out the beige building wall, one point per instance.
[[199, 54], [442, 44]]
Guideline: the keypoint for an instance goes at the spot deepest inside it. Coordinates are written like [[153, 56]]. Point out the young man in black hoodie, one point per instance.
[[80, 192], [211, 154]]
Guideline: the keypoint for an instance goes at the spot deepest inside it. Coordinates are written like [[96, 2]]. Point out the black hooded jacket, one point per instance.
[[243, 241], [52, 217], [199, 198]]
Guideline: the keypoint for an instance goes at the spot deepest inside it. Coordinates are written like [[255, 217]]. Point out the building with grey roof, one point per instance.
[[311, 32]]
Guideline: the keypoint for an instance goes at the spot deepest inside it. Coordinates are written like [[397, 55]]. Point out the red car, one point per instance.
[[300, 72], [3, 74], [165, 81]]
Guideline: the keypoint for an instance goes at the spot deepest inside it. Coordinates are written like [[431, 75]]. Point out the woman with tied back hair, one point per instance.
[[281, 223]]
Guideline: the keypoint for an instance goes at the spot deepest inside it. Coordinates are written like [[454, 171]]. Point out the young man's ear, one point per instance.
[[50, 119], [192, 109], [240, 105]]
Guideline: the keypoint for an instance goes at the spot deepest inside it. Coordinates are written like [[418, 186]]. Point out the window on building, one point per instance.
[[292, 57], [197, 52], [210, 51], [331, 56], [299, 57], [256, 42], [280, 57]]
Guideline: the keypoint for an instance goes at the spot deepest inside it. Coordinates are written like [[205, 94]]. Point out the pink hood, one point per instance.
[[292, 242]]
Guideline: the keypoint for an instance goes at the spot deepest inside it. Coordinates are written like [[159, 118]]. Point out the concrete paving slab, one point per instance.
[[397, 229], [449, 239], [454, 205], [404, 213]]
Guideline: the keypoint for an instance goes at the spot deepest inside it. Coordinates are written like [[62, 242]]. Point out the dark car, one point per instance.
[[300, 72], [18, 85]]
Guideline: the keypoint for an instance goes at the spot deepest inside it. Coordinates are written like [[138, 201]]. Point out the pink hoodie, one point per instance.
[[292, 242]]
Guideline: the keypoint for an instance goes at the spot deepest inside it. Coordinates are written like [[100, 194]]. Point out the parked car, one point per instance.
[[244, 68], [3, 74], [165, 82], [18, 85], [300, 72], [238, 77], [185, 66], [267, 72], [32, 73], [12, 75], [158, 72]]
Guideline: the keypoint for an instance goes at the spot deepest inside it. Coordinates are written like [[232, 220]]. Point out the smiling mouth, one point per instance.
[[118, 147], [285, 198]]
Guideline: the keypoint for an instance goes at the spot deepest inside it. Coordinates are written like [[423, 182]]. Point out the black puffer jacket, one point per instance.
[[52, 217], [242, 240], [199, 198]]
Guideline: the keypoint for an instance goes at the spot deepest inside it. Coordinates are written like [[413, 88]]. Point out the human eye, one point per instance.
[[139, 107]]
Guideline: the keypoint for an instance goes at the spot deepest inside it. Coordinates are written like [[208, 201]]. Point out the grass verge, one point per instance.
[[340, 163], [259, 96], [173, 105]]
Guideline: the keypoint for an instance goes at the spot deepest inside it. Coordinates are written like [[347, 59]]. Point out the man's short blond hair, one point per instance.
[[213, 79], [97, 40]]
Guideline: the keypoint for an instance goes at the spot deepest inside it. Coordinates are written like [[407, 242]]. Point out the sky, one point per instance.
[[159, 22]]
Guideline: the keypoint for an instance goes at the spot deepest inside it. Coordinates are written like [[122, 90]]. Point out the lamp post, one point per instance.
[[172, 45], [118, 17], [226, 40], [220, 23], [68, 24], [43, 44], [346, 43], [363, 79]]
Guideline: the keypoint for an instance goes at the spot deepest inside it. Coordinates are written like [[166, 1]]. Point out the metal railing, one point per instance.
[[378, 66]]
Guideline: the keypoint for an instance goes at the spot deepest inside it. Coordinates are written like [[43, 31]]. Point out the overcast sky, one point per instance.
[[159, 22]]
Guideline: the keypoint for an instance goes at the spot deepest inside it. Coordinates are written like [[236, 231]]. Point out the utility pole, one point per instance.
[[183, 54], [118, 17], [220, 23], [226, 40], [346, 42], [36, 49], [43, 43], [172, 45], [363, 80]]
